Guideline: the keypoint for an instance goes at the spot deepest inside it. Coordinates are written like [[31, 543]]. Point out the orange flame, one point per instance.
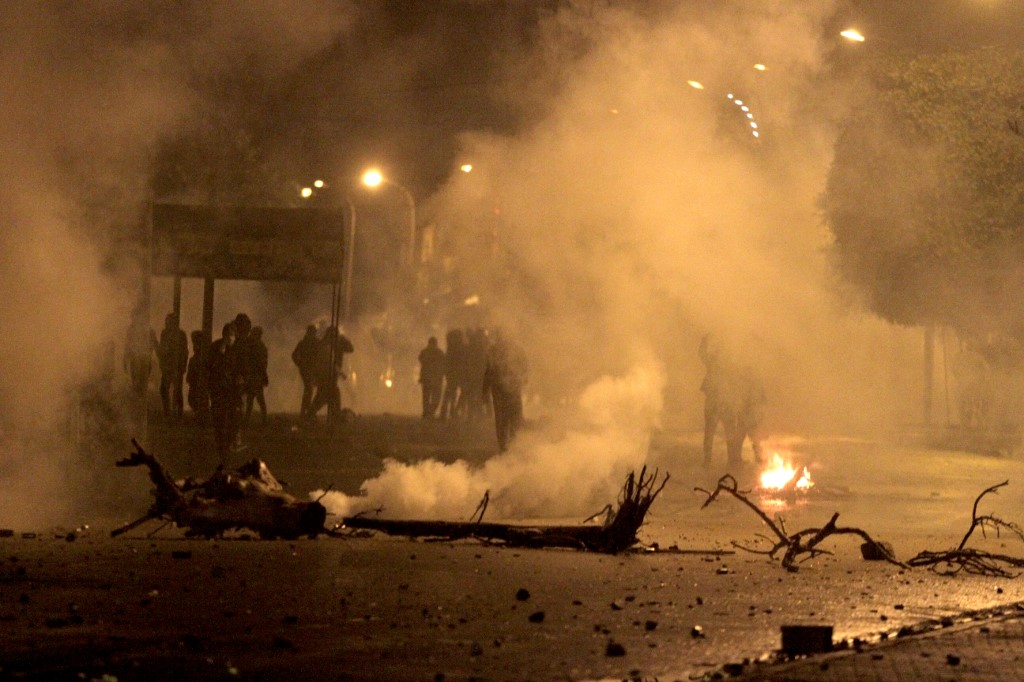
[[779, 473]]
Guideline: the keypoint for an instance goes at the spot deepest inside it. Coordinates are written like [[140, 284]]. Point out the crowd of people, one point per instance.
[[476, 375]]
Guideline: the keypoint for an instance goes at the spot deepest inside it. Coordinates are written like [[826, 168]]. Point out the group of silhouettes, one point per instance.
[[320, 361], [476, 374]]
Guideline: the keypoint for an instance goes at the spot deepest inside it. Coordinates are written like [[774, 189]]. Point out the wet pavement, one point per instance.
[[80, 605]]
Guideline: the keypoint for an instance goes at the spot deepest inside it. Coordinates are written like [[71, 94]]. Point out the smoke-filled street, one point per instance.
[[162, 606], [506, 339]]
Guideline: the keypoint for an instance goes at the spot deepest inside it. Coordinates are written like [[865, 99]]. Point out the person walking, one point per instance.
[[226, 383], [305, 358], [432, 368], [504, 378], [330, 360], [172, 352], [197, 378], [256, 377]]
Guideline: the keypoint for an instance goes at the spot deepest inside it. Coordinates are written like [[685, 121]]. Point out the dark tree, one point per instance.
[[925, 197]]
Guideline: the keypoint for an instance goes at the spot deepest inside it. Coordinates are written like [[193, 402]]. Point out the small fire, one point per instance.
[[779, 474]]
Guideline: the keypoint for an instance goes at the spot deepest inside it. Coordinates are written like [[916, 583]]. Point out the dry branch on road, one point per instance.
[[804, 542], [617, 534], [246, 498], [975, 561]]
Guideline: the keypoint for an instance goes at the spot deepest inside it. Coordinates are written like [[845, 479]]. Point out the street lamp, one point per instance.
[[308, 192], [853, 35], [373, 178]]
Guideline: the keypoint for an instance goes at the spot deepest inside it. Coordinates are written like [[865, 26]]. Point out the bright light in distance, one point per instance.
[[744, 108], [760, 67], [757, 134], [853, 35], [306, 192], [738, 102], [318, 184], [466, 167], [373, 178], [695, 84]]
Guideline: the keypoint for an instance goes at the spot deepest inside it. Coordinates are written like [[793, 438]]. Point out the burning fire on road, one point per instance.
[[781, 476]]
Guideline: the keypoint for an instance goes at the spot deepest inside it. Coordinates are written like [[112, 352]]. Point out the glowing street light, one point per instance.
[[466, 168], [760, 67], [695, 85], [306, 192], [853, 35], [373, 178]]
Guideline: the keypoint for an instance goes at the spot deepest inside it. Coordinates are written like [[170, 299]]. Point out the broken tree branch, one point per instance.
[[975, 561], [616, 535], [804, 542]]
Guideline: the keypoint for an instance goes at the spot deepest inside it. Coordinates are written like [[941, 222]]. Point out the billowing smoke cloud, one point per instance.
[[89, 89], [635, 212], [569, 467], [639, 211]]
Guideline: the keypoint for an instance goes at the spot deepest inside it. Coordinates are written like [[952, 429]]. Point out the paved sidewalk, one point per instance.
[[984, 647]]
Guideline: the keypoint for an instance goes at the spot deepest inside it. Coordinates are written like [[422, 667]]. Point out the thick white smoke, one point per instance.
[[89, 90], [571, 467]]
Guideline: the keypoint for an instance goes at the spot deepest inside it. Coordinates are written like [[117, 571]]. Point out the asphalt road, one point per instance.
[[380, 607]]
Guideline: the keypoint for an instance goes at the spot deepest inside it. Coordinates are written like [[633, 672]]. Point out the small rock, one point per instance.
[[618, 605], [952, 660], [6, 533], [877, 551], [522, 594], [650, 625], [697, 632], [722, 570], [536, 617], [614, 649]]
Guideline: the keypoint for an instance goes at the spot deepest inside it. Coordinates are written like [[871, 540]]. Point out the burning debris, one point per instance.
[[246, 498], [618, 533], [803, 542], [780, 476], [975, 561]]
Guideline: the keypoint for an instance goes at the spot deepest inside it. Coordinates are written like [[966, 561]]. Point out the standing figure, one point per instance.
[[139, 347], [172, 352], [710, 355], [455, 351], [742, 410], [476, 402], [243, 343], [330, 360], [197, 378], [305, 358], [432, 367], [256, 377], [226, 382], [504, 378]]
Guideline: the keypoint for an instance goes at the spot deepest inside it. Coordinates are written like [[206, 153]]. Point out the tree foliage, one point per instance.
[[925, 197]]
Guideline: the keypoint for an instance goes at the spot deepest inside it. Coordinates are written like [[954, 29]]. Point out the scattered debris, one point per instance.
[[247, 498], [802, 542], [615, 535], [804, 640], [975, 561]]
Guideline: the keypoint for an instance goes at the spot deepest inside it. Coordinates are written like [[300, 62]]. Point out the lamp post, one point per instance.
[[374, 178]]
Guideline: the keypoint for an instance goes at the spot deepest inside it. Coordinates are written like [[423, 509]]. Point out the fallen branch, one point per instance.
[[246, 498], [616, 535], [804, 542], [975, 561]]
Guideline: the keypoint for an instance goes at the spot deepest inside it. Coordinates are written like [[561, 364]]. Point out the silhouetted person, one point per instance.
[[711, 386], [330, 360], [742, 409], [475, 365], [455, 354], [139, 347], [432, 367], [256, 377], [243, 343], [226, 382], [305, 358], [197, 378], [172, 352], [504, 378]]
